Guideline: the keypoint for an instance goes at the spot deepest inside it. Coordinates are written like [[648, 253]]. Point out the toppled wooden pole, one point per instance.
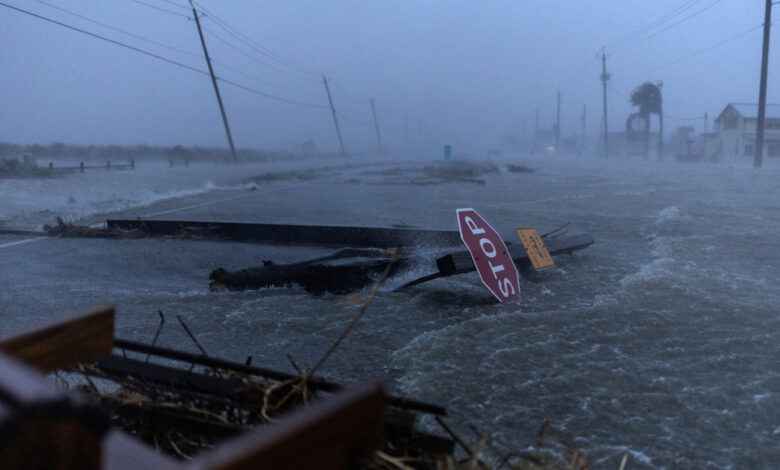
[[343, 271], [291, 234]]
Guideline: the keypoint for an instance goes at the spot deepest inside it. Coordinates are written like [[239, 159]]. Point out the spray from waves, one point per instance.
[[31, 203]]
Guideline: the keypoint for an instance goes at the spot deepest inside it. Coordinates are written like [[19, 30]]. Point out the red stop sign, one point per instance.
[[490, 255]]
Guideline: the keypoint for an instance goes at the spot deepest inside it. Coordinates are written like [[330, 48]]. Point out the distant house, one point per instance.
[[736, 131]]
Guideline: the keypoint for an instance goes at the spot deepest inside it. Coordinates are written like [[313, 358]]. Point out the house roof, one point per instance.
[[750, 110]]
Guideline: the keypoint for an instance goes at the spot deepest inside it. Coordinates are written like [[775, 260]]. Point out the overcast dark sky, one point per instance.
[[467, 72]]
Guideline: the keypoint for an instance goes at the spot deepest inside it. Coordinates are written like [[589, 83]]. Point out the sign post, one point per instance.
[[491, 256]]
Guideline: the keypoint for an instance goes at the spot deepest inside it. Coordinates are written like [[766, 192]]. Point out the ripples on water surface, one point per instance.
[[662, 339]]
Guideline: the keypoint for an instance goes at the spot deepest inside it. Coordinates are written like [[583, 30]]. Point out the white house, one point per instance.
[[736, 134]]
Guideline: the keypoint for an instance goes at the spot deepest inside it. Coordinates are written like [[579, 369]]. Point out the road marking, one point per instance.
[[194, 206], [22, 241]]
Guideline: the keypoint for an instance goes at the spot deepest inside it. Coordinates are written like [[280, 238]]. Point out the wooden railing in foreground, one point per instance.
[[44, 427]]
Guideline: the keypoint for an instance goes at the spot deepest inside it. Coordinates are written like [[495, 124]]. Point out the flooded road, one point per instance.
[[661, 340]]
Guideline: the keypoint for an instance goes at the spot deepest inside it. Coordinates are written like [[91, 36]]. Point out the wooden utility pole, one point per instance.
[[582, 146], [214, 82], [406, 133], [759, 148], [536, 133], [604, 78], [522, 136], [376, 126], [333, 110], [706, 123], [558, 124]]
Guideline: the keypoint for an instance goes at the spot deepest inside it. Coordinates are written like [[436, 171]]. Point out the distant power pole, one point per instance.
[[558, 124], [406, 132], [604, 78], [376, 126], [706, 123], [333, 110], [536, 133], [522, 136], [582, 147], [214, 82], [759, 150]]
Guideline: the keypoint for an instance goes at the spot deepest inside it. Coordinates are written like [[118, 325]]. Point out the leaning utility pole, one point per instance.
[[333, 110], [759, 148], [604, 78], [558, 125], [376, 126], [214, 82]]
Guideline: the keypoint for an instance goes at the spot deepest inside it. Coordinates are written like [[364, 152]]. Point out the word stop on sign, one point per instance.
[[491, 256]]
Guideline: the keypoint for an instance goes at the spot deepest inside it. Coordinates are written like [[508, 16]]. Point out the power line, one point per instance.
[[141, 38], [252, 57], [659, 22], [256, 46], [159, 57], [149, 5], [686, 19], [268, 95], [707, 49], [151, 41], [176, 4], [112, 41]]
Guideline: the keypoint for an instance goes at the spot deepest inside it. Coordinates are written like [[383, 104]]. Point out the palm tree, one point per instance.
[[648, 97]]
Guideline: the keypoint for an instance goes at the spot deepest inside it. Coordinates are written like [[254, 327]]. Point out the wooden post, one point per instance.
[[65, 343]]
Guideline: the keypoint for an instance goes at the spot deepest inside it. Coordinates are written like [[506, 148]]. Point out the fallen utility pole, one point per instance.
[[214, 82], [376, 126], [333, 110], [759, 150]]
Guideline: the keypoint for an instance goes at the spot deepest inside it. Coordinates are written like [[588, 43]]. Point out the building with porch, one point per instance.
[[736, 134]]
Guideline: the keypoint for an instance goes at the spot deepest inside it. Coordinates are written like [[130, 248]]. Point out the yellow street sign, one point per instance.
[[535, 248]]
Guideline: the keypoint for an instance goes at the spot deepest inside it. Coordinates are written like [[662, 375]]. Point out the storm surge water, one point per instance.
[[661, 340]]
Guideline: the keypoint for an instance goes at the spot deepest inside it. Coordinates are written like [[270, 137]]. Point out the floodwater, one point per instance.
[[661, 340]]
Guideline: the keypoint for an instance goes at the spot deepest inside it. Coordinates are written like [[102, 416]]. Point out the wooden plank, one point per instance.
[[44, 427], [313, 382], [378, 237], [330, 434], [65, 343], [461, 262]]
